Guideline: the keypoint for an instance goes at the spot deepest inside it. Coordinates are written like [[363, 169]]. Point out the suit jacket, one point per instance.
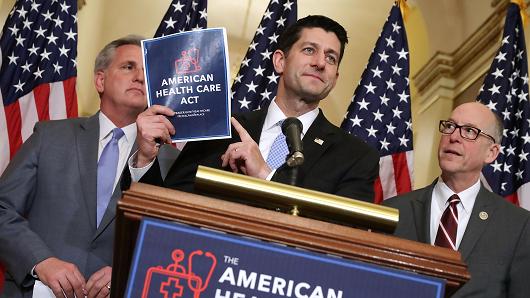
[[496, 250], [342, 164], [48, 198]]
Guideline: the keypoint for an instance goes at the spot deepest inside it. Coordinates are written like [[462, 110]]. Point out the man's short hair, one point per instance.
[[106, 55], [292, 33]]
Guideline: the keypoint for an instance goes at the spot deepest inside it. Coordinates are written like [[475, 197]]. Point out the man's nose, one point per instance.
[[319, 61], [139, 75]]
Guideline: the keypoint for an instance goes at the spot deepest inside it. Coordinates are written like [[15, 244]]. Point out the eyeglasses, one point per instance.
[[467, 132]]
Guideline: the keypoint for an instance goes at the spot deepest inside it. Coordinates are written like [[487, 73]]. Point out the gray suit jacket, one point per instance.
[[496, 250], [48, 203]]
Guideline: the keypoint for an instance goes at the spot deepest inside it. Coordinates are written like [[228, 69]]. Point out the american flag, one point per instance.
[[38, 69], [256, 82], [185, 16], [379, 112], [505, 91]]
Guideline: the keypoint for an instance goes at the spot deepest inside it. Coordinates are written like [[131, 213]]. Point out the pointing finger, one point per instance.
[[243, 134]]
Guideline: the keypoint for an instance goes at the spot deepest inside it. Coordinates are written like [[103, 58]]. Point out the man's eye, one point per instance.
[[309, 50], [331, 60]]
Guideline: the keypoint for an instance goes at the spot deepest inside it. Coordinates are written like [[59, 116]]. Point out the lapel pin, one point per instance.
[[319, 141], [483, 215]]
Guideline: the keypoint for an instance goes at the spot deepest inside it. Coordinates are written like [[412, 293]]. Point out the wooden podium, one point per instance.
[[314, 235]]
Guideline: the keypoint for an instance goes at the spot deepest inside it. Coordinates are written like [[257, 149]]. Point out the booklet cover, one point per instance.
[[188, 72]]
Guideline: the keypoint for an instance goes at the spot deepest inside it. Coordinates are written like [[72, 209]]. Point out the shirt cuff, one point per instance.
[[269, 177], [138, 173]]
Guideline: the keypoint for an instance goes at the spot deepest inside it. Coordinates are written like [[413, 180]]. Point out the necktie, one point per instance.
[[278, 151], [446, 235], [108, 162]]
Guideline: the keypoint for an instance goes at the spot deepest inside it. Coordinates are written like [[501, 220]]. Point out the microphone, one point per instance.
[[292, 129]]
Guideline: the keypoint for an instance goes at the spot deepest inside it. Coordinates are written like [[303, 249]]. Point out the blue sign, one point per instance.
[[188, 72], [175, 260]]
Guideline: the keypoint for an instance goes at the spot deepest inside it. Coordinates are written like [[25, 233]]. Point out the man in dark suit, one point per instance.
[[307, 60], [50, 229], [492, 235]]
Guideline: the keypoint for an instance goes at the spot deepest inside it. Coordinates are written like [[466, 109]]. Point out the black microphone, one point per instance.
[[292, 129]]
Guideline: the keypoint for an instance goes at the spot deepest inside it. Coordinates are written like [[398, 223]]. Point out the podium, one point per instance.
[[316, 236]]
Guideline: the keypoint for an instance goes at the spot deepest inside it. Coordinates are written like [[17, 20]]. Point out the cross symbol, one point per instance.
[[171, 288]]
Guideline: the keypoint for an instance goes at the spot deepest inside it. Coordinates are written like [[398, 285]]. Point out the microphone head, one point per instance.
[[291, 121]]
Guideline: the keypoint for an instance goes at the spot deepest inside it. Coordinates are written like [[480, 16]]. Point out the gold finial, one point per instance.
[[295, 211]]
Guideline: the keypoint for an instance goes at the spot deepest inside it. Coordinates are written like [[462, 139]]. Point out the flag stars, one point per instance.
[[260, 30], [523, 156], [204, 14], [251, 87], [384, 99], [403, 141], [371, 131], [397, 112], [47, 16], [52, 38], [492, 105], [494, 89], [384, 144], [356, 121], [245, 61], [390, 85], [20, 40], [395, 27], [273, 38], [510, 150], [378, 116], [496, 166], [14, 30], [403, 96], [170, 23], [288, 5], [40, 32], [390, 42], [57, 68], [26, 67], [370, 88], [402, 54], [38, 73], [519, 174], [19, 86], [377, 72], [45, 55], [268, 14], [266, 55], [259, 70], [63, 51], [27, 24], [506, 114], [390, 128], [244, 103], [383, 56], [281, 22], [177, 7], [396, 69], [33, 50], [35, 6], [265, 94], [58, 22], [253, 45], [363, 104], [500, 57], [64, 7], [507, 168], [273, 78], [497, 73], [21, 12], [70, 35], [526, 138], [12, 59]]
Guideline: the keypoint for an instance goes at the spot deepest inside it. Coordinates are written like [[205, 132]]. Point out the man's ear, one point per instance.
[[493, 152], [278, 60], [99, 81]]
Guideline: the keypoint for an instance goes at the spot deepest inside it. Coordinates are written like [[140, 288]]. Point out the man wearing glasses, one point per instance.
[[456, 211]]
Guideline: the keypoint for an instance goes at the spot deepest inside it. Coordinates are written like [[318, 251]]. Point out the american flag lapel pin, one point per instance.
[[319, 141]]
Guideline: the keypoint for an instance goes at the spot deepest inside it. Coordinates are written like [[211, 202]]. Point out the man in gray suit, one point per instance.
[[49, 229], [492, 235]]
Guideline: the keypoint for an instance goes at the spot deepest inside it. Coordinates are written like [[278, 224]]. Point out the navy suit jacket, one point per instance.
[[48, 198], [335, 162], [496, 249]]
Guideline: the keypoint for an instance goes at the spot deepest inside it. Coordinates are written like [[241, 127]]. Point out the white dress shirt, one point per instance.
[[440, 194], [125, 143]]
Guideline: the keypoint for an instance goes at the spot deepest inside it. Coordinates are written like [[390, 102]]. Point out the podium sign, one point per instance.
[[177, 260]]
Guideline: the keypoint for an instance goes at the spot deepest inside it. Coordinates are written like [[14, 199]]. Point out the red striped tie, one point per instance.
[[446, 235]]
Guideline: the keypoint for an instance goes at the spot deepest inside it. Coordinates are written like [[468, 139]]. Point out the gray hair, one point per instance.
[[106, 55]]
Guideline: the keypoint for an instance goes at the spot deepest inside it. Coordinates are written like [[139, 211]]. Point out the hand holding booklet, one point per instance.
[[188, 72]]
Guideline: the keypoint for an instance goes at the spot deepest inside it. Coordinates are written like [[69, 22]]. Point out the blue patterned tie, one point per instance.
[[278, 151], [108, 162]]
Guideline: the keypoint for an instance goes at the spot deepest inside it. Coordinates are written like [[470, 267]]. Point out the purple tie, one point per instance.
[[108, 162], [278, 151], [446, 235]]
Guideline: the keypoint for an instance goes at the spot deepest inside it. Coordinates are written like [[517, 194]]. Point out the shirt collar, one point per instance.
[[467, 197], [106, 126], [274, 115]]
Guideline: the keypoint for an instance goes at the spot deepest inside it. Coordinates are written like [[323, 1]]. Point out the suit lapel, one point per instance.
[[421, 211], [476, 226], [318, 138], [87, 156]]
